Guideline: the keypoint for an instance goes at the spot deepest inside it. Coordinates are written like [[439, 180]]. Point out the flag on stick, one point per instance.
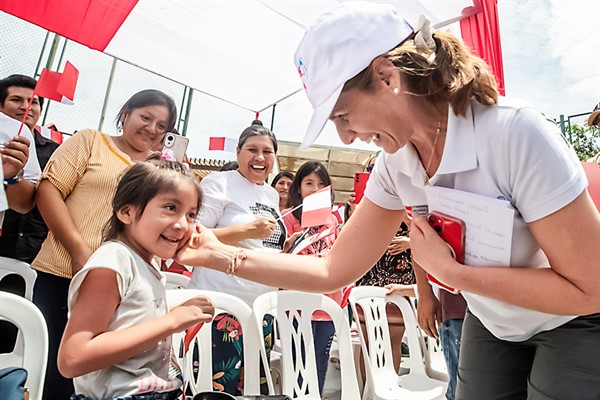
[[58, 86], [316, 208], [223, 144]]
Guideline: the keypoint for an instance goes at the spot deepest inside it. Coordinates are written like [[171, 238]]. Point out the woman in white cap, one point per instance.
[[533, 326]]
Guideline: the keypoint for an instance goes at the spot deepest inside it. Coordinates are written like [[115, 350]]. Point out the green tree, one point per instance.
[[585, 140]]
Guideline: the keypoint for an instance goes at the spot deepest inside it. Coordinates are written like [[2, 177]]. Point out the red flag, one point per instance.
[[223, 144], [58, 86], [316, 208], [481, 32], [189, 336]]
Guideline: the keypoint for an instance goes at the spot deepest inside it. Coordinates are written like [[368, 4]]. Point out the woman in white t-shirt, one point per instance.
[[533, 325], [242, 210]]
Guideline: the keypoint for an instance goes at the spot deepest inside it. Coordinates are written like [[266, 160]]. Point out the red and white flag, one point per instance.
[[58, 86], [316, 208], [223, 144]]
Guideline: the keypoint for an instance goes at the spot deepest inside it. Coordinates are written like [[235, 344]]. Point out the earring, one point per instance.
[[396, 90], [120, 128]]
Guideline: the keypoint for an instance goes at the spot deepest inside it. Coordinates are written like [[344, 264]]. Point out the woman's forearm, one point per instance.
[[540, 289], [59, 221], [232, 234]]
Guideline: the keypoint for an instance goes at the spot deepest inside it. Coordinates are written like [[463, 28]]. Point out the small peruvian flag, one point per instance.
[[223, 144], [316, 208], [58, 86]]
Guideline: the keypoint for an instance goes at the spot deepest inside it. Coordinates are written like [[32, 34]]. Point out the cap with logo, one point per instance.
[[337, 46]]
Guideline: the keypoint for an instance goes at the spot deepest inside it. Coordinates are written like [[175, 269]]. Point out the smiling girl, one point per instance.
[[118, 339], [74, 196]]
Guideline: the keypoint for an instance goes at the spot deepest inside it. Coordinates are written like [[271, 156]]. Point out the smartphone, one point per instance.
[[175, 145], [360, 183], [299, 240], [452, 230]]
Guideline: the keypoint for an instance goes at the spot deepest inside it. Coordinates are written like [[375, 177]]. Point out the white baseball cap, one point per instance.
[[337, 46]]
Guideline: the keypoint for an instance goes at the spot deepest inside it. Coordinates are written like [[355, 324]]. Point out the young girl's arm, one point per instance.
[[86, 346]]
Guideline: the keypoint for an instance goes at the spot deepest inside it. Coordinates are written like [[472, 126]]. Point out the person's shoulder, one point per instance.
[[111, 254]]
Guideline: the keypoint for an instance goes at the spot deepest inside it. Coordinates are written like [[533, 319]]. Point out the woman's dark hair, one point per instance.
[[140, 183], [256, 129], [294, 196], [452, 74], [280, 175], [229, 166], [149, 97]]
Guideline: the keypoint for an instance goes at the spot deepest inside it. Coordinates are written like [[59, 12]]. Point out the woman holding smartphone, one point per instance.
[[532, 327]]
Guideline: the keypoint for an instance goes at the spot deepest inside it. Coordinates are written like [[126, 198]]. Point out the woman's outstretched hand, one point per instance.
[[200, 249], [429, 250]]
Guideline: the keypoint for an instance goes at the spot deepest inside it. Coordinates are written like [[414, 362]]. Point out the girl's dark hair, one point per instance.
[[280, 175], [140, 183], [454, 75], [149, 97], [294, 197], [256, 129]]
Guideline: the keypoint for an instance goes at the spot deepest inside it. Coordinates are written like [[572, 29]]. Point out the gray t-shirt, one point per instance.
[[142, 299]]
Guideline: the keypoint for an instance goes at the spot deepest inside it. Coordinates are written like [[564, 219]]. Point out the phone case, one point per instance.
[[175, 145], [452, 230], [360, 183]]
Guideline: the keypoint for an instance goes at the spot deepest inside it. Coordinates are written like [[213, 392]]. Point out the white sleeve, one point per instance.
[[545, 174], [214, 200], [380, 186], [8, 129], [111, 256]]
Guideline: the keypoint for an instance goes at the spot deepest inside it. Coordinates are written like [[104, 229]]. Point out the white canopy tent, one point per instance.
[[238, 51]]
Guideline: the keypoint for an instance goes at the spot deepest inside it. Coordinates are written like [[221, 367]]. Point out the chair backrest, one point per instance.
[[31, 323], [9, 266], [175, 280], [373, 301], [379, 364], [293, 311], [252, 342]]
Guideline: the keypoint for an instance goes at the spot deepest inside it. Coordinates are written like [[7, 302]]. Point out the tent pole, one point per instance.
[[188, 108], [107, 94], [273, 117]]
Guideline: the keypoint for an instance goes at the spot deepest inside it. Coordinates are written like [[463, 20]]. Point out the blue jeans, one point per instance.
[[450, 333], [323, 332]]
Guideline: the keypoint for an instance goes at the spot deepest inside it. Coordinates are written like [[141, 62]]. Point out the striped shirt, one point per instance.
[[85, 169]]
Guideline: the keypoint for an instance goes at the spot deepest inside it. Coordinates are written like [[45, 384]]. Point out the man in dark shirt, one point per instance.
[[22, 234]]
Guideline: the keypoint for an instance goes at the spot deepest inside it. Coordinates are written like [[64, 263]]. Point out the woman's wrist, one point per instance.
[[221, 256]]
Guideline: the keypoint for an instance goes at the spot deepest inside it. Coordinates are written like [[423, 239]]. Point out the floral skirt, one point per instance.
[[228, 353]]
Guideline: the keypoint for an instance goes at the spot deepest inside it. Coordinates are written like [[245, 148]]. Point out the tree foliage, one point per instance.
[[585, 140]]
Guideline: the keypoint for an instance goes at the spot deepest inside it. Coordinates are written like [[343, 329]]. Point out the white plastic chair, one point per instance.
[[224, 303], [10, 266], [292, 311], [175, 281], [31, 323], [383, 382]]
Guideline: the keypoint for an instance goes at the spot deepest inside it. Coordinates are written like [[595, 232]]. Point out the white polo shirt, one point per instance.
[[508, 151]]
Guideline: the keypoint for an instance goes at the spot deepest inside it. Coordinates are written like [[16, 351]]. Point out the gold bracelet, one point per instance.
[[235, 262]]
